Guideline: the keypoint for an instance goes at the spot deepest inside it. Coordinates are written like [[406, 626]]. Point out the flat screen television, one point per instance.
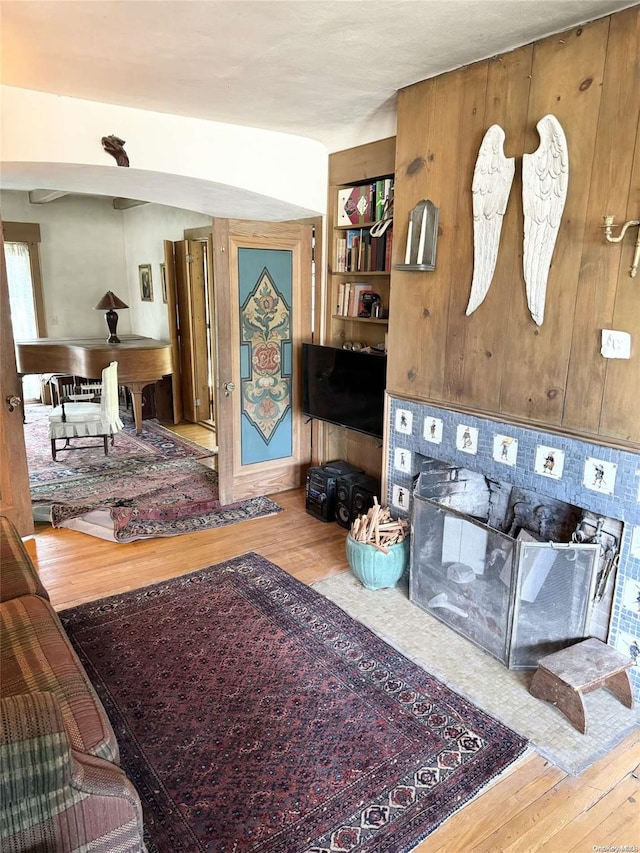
[[344, 387]]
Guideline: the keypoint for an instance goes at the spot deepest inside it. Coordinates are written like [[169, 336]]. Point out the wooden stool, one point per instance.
[[565, 676]]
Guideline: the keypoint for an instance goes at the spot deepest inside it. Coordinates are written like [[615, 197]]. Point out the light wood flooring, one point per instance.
[[534, 806]]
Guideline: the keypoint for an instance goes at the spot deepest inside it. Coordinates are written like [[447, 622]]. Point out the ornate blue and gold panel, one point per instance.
[[265, 282]]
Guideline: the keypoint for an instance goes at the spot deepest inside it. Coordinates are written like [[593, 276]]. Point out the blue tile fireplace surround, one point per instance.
[[601, 480]]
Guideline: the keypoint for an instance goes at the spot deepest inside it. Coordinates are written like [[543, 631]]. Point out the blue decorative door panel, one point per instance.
[[265, 283]]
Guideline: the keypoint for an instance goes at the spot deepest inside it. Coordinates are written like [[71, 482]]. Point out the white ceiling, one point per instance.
[[325, 69]]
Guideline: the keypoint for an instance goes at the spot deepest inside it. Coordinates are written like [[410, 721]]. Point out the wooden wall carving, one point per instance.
[[498, 361]]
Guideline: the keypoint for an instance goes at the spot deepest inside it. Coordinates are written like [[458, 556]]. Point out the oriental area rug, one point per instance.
[[155, 441], [146, 499], [256, 716]]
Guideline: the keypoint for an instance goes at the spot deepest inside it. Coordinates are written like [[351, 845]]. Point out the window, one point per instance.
[[25, 289]]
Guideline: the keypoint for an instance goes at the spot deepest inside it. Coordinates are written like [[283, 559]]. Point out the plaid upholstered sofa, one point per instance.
[[61, 788]]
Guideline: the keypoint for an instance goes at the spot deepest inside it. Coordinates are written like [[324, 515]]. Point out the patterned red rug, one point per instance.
[[255, 716], [155, 441], [148, 498]]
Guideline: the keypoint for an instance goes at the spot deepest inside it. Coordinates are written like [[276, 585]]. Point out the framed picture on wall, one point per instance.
[[163, 282], [146, 283]]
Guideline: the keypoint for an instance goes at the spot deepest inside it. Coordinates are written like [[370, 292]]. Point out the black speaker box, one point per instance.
[[354, 496], [321, 488]]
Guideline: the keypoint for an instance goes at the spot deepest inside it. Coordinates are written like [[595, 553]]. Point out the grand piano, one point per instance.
[[141, 361]]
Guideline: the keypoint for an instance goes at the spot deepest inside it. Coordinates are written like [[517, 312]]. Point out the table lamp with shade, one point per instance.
[[108, 303]]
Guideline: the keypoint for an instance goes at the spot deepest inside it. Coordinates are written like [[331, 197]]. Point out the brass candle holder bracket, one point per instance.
[[609, 222]]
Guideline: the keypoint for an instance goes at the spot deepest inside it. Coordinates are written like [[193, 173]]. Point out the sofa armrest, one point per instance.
[[17, 573], [35, 755], [101, 779], [54, 798]]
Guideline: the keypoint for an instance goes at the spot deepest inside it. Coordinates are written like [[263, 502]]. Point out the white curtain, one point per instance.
[[23, 310]]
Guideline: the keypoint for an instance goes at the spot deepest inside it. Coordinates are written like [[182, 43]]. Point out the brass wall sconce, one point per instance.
[[632, 223]]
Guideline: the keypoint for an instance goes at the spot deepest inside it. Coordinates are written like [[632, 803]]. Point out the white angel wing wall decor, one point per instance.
[[545, 177], [492, 179]]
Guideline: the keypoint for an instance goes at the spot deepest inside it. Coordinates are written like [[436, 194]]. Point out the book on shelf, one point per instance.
[[388, 249], [355, 237], [383, 187], [344, 297], [355, 299], [358, 251], [349, 298], [355, 205], [378, 246], [363, 261], [379, 199], [364, 203], [363, 253], [341, 254]]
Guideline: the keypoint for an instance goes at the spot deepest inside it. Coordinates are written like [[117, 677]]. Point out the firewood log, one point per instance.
[[377, 527]]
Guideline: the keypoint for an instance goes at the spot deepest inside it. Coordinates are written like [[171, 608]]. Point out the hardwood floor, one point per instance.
[[535, 806]]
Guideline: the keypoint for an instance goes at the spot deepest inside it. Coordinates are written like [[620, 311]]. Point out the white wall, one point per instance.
[[88, 248], [145, 228], [82, 255]]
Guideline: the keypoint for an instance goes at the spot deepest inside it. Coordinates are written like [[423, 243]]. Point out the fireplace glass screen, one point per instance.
[[482, 562]]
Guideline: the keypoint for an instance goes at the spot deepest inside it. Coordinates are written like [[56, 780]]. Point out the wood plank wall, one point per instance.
[[497, 361]]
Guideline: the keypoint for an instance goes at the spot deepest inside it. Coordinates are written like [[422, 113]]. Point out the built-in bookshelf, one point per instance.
[[364, 172], [360, 261]]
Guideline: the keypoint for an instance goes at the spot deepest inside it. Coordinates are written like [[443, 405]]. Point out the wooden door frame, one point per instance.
[[15, 498], [185, 315], [212, 332], [228, 236], [196, 260], [224, 371], [176, 376]]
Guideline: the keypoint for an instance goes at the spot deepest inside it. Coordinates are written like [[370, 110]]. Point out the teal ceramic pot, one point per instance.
[[375, 569]]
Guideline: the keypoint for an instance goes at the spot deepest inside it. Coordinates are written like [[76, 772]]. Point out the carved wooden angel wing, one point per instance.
[[545, 177], [492, 179]]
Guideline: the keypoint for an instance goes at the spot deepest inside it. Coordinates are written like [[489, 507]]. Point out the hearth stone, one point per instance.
[[496, 563]]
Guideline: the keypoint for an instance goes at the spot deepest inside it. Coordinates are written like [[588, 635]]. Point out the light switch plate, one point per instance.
[[615, 344]]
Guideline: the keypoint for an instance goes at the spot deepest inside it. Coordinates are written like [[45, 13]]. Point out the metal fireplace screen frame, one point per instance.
[[513, 596]]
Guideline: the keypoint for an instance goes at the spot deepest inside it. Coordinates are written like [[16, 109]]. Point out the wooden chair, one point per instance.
[[78, 419]]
